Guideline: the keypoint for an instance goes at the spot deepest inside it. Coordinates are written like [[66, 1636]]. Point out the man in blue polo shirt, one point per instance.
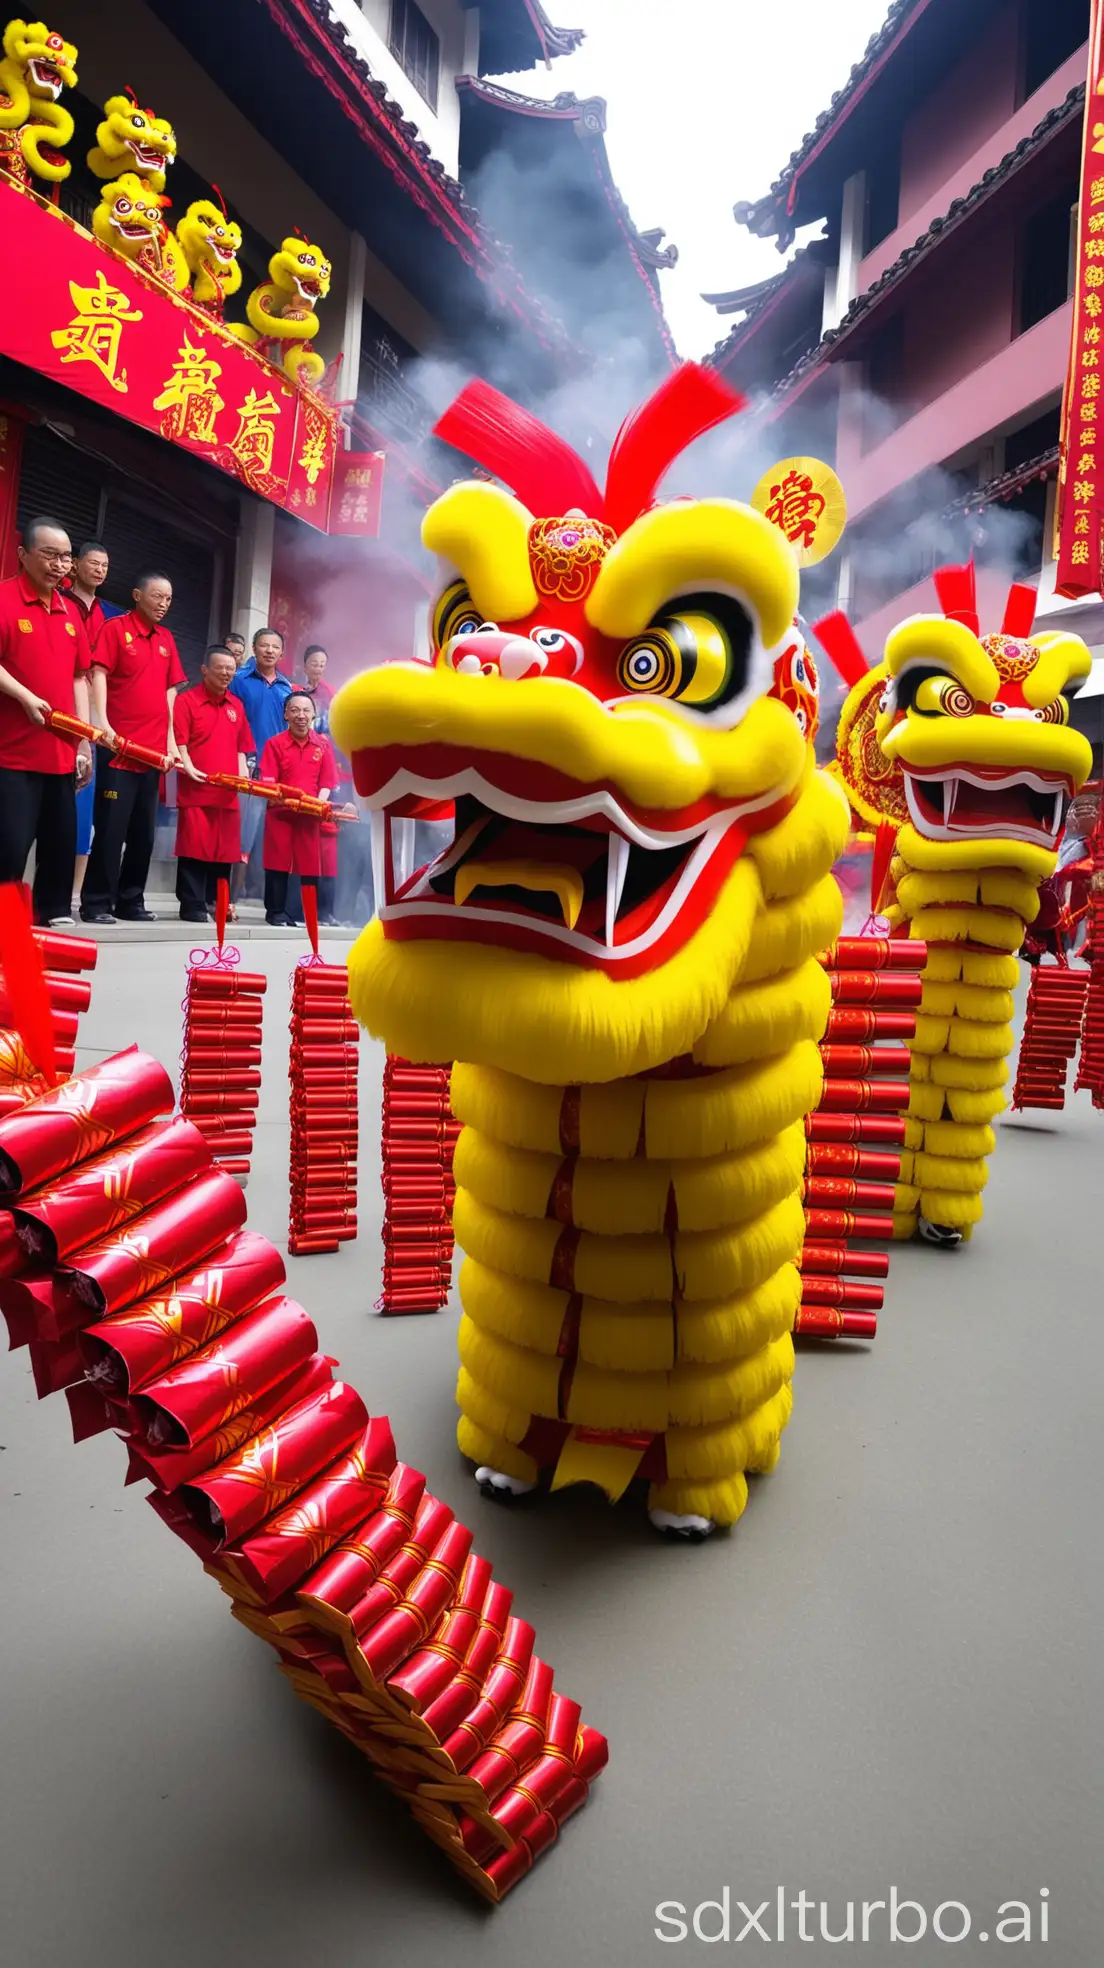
[[264, 693]]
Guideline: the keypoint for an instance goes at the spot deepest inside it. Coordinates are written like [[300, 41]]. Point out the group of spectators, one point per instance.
[[92, 822]]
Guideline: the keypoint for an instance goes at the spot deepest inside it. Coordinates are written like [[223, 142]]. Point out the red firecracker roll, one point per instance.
[[108, 1101], [323, 1068], [220, 1083]]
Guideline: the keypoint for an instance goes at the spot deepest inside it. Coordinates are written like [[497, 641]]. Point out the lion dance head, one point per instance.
[[598, 706]]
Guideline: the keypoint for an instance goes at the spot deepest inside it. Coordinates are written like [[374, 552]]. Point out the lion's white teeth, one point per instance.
[[402, 851], [379, 823], [616, 870]]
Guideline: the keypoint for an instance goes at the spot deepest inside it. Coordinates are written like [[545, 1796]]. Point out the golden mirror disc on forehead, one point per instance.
[[805, 500]]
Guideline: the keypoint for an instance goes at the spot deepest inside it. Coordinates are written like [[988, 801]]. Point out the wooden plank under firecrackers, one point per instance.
[[1078, 510], [327, 1547]]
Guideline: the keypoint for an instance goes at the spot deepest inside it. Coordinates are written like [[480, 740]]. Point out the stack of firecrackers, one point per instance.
[[325, 1053], [1051, 1032], [126, 1266], [63, 958], [1090, 1066], [419, 1136], [221, 1076], [857, 1134]]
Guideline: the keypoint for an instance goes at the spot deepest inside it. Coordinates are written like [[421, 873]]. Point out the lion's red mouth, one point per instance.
[[147, 156], [985, 803], [565, 870]]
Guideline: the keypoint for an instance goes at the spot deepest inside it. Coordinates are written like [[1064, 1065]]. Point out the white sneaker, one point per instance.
[[62, 922]]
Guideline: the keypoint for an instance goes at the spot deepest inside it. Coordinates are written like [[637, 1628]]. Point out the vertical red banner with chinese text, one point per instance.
[[1081, 479], [356, 494]]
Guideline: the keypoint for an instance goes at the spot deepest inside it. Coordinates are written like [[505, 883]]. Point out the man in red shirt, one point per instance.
[[44, 661], [294, 843], [212, 735], [136, 673], [90, 571]]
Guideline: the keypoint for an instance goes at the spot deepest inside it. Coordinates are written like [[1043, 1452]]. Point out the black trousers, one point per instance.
[[293, 907], [197, 883], [39, 810], [276, 892], [124, 823]]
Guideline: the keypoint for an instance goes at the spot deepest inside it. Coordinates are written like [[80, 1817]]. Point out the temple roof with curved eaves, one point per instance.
[[515, 35], [493, 119]]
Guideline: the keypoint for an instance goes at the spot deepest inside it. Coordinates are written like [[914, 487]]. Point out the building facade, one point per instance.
[[349, 125], [919, 342]]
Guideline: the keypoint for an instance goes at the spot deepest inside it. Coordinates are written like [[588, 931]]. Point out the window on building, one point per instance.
[[1052, 29], [1044, 259], [416, 48]]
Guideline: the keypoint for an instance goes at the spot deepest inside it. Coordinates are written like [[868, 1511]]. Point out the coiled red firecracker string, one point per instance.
[[419, 1135], [323, 1072], [221, 1060]]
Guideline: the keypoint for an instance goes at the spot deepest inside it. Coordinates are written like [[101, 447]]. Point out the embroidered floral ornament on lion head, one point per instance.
[[618, 949]]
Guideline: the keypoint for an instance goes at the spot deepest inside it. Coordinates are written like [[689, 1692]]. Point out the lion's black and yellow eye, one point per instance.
[[455, 614], [1054, 713], [935, 694], [697, 653]]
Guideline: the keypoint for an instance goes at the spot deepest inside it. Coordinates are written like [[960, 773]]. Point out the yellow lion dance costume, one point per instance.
[[619, 946], [962, 743], [37, 65], [282, 322]]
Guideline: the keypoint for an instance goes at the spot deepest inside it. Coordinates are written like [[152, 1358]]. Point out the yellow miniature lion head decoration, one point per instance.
[[128, 216], [209, 239], [48, 62], [302, 270], [964, 741], [597, 707], [131, 139]]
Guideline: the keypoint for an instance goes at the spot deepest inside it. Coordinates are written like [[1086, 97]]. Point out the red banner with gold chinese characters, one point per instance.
[[1080, 508], [356, 493], [89, 319]]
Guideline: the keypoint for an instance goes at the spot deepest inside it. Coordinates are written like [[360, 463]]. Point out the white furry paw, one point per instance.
[[691, 1530], [938, 1233], [502, 1489]]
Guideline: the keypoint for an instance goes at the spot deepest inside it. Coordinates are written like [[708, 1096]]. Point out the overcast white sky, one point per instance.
[[707, 98]]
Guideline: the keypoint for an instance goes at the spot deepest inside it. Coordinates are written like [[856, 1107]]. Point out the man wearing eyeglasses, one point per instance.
[[44, 661]]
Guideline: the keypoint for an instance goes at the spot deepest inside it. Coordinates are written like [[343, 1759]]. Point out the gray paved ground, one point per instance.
[[889, 1675]]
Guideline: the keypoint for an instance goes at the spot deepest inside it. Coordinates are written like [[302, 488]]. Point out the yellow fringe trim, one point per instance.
[[970, 1040], [494, 1451], [1003, 930], [954, 1208], [786, 933], [925, 1102], [976, 1108], [707, 1264], [953, 1138], [976, 1075], [802, 848], [960, 1000], [731, 1328], [707, 1454], [616, 1199], [762, 1019], [683, 1119], [950, 1173], [997, 973], [724, 1502], [496, 1416]]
